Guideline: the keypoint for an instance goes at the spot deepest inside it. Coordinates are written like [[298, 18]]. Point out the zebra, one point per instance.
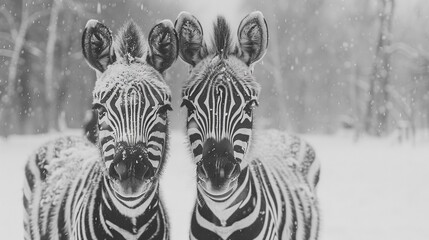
[[75, 189], [264, 192]]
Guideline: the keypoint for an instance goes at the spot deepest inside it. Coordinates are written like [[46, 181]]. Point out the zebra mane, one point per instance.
[[221, 42], [129, 43]]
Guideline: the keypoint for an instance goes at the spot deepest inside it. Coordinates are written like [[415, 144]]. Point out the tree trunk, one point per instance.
[[8, 100], [23, 91], [275, 63], [50, 85], [378, 104], [66, 43]]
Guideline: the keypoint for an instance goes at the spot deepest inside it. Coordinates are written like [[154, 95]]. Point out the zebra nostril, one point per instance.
[[122, 170], [130, 167], [149, 173], [143, 170], [131, 162], [234, 172], [218, 171]]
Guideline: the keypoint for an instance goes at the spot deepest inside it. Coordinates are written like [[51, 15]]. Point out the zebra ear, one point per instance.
[[163, 45], [96, 45], [192, 48], [252, 37]]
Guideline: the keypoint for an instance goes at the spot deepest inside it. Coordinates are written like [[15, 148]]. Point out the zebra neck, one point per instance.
[[134, 215], [243, 203]]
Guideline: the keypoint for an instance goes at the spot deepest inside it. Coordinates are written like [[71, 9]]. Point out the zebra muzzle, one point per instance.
[[131, 162], [218, 170], [218, 174]]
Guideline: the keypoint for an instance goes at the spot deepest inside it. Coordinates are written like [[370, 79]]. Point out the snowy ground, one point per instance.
[[373, 189]]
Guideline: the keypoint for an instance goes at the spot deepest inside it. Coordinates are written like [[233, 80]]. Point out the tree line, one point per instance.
[[330, 65]]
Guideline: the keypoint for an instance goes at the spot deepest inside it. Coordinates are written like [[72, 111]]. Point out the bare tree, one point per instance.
[[377, 112], [18, 36], [274, 66], [50, 84], [55, 86]]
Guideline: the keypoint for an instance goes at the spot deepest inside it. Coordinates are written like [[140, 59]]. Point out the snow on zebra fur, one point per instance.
[[269, 193], [77, 190]]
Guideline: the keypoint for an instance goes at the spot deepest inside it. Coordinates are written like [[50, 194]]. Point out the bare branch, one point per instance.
[[10, 20], [31, 47], [50, 84], [34, 16], [359, 83], [400, 100], [19, 42]]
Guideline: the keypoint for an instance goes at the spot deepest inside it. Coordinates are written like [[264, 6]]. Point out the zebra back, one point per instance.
[[55, 168]]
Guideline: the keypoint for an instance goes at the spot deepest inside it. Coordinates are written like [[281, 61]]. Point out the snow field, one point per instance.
[[372, 189]]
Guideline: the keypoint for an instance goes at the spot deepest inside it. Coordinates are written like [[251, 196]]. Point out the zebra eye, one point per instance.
[[252, 104], [100, 109], [188, 105], [164, 109]]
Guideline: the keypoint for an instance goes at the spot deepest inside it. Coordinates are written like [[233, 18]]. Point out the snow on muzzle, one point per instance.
[[131, 167], [218, 170]]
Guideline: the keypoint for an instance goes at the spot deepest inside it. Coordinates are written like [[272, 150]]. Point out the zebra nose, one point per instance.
[[218, 171], [217, 164], [218, 167], [131, 162]]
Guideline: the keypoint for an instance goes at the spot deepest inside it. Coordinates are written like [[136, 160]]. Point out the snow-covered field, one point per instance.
[[372, 189]]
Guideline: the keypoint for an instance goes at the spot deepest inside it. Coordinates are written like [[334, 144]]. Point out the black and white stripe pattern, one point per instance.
[[267, 191], [275, 197], [67, 196], [77, 190], [132, 114], [224, 108]]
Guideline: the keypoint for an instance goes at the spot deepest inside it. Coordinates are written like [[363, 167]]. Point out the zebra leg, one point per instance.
[[47, 173]]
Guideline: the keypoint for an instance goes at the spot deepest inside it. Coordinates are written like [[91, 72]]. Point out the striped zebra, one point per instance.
[[77, 190], [267, 192]]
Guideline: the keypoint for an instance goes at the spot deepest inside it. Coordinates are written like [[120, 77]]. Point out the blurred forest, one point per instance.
[[359, 65]]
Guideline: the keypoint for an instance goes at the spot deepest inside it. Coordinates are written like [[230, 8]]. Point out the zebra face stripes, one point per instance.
[[74, 190], [220, 106], [266, 194], [220, 117], [220, 97], [132, 101], [66, 196], [132, 125]]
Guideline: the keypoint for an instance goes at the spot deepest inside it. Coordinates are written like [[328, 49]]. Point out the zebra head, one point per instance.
[[220, 96], [132, 100]]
